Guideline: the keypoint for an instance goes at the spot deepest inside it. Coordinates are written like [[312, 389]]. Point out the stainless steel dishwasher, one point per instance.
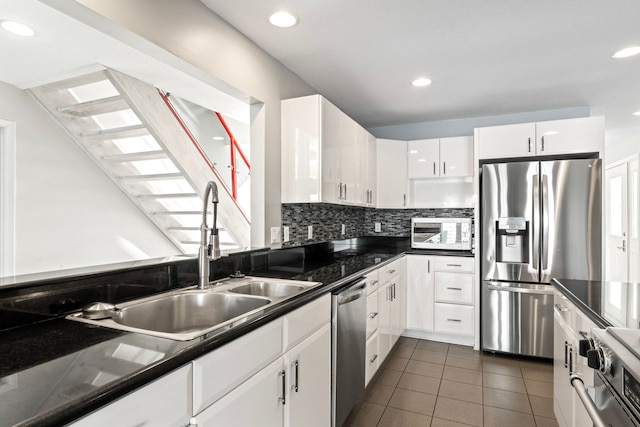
[[348, 342]]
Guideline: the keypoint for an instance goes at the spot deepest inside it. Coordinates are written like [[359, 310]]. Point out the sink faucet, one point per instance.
[[210, 251]]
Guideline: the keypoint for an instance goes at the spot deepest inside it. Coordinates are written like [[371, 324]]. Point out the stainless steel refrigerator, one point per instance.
[[540, 220]]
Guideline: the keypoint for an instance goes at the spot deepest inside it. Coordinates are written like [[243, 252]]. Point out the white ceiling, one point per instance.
[[485, 58]]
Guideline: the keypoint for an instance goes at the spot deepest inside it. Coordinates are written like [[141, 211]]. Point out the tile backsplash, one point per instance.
[[327, 219]]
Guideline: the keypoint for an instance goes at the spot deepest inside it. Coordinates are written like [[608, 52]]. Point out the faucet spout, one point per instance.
[[208, 250]]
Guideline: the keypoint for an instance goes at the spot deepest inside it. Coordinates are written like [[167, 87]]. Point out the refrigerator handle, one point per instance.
[[544, 220], [535, 241]]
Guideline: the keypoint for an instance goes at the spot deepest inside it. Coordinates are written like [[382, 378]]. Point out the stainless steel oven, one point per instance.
[[441, 233], [613, 354]]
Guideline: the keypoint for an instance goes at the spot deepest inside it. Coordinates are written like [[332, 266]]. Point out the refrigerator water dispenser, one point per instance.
[[512, 240]]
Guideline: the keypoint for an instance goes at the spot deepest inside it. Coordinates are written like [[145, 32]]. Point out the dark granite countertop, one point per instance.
[[606, 303], [70, 369]]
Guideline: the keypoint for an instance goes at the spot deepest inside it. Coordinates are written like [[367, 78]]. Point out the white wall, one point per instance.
[[192, 32], [68, 213], [623, 149]]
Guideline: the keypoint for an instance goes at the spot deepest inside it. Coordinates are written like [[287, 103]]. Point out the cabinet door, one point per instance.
[[583, 135], [420, 292], [395, 309], [362, 163], [456, 156], [256, 402], [423, 158], [384, 320], [308, 367], [372, 358], [301, 150], [164, 402], [330, 136], [391, 173], [371, 169], [372, 313], [349, 161], [562, 390], [507, 141]]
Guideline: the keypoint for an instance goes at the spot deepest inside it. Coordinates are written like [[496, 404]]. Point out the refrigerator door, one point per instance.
[[517, 318], [510, 213], [571, 219]]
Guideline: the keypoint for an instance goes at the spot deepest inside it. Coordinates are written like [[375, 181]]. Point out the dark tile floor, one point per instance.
[[427, 383]]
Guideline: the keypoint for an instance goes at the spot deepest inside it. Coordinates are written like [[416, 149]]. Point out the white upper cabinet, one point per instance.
[[324, 154], [444, 157], [392, 183], [372, 163], [557, 137]]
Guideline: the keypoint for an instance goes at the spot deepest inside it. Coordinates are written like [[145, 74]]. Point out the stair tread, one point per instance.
[[98, 106]]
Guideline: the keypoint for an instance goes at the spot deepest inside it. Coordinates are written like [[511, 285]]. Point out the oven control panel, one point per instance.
[[631, 389]]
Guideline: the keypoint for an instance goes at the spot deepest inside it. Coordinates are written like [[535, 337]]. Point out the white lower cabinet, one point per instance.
[[164, 402], [372, 358], [391, 306], [256, 402], [440, 298], [569, 325], [308, 368], [293, 383]]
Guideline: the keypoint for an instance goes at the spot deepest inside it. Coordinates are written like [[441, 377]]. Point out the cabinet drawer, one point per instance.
[[390, 270], [372, 281], [372, 313], [455, 264], [372, 360], [454, 287], [453, 319], [302, 322], [220, 371]]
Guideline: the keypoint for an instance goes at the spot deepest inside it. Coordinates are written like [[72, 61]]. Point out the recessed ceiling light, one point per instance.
[[626, 52], [637, 113], [421, 82], [283, 19], [218, 138], [17, 28]]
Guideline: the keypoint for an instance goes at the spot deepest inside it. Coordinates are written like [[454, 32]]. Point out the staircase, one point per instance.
[[125, 126]]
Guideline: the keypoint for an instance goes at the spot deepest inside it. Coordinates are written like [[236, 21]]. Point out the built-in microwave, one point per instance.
[[441, 233]]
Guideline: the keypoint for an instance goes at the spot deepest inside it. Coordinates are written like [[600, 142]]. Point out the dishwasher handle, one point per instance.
[[352, 293]]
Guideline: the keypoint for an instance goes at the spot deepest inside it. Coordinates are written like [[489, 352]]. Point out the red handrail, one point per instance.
[[233, 145], [234, 191]]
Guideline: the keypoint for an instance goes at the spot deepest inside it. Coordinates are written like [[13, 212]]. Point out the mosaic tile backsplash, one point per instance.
[[327, 220]]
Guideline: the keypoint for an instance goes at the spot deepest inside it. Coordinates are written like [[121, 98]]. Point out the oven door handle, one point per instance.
[[583, 394]]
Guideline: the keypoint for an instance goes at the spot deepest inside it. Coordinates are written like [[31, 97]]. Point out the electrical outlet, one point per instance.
[[285, 231], [344, 229], [310, 232], [378, 228], [275, 234]]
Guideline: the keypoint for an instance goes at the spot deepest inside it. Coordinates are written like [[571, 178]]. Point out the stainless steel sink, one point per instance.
[[268, 289], [188, 313]]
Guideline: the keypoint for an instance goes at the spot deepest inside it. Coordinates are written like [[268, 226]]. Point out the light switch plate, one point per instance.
[[344, 229], [285, 231], [310, 232], [378, 228]]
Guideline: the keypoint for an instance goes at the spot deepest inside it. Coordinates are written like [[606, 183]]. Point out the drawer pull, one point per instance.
[[391, 271], [373, 359], [454, 265], [295, 365], [282, 399], [454, 289], [454, 320], [373, 315], [375, 282]]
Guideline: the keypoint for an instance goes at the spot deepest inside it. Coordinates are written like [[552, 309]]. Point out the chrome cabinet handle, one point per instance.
[[454, 289], [434, 168], [373, 359], [295, 366], [345, 191], [542, 139], [444, 168], [373, 315], [428, 266], [454, 320], [391, 271], [283, 375], [404, 200], [340, 191], [454, 265], [393, 287], [566, 354], [571, 360], [624, 246], [529, 144], [375, 282]]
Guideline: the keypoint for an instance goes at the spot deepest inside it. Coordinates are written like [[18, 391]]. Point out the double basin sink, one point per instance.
[[188, 313]]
